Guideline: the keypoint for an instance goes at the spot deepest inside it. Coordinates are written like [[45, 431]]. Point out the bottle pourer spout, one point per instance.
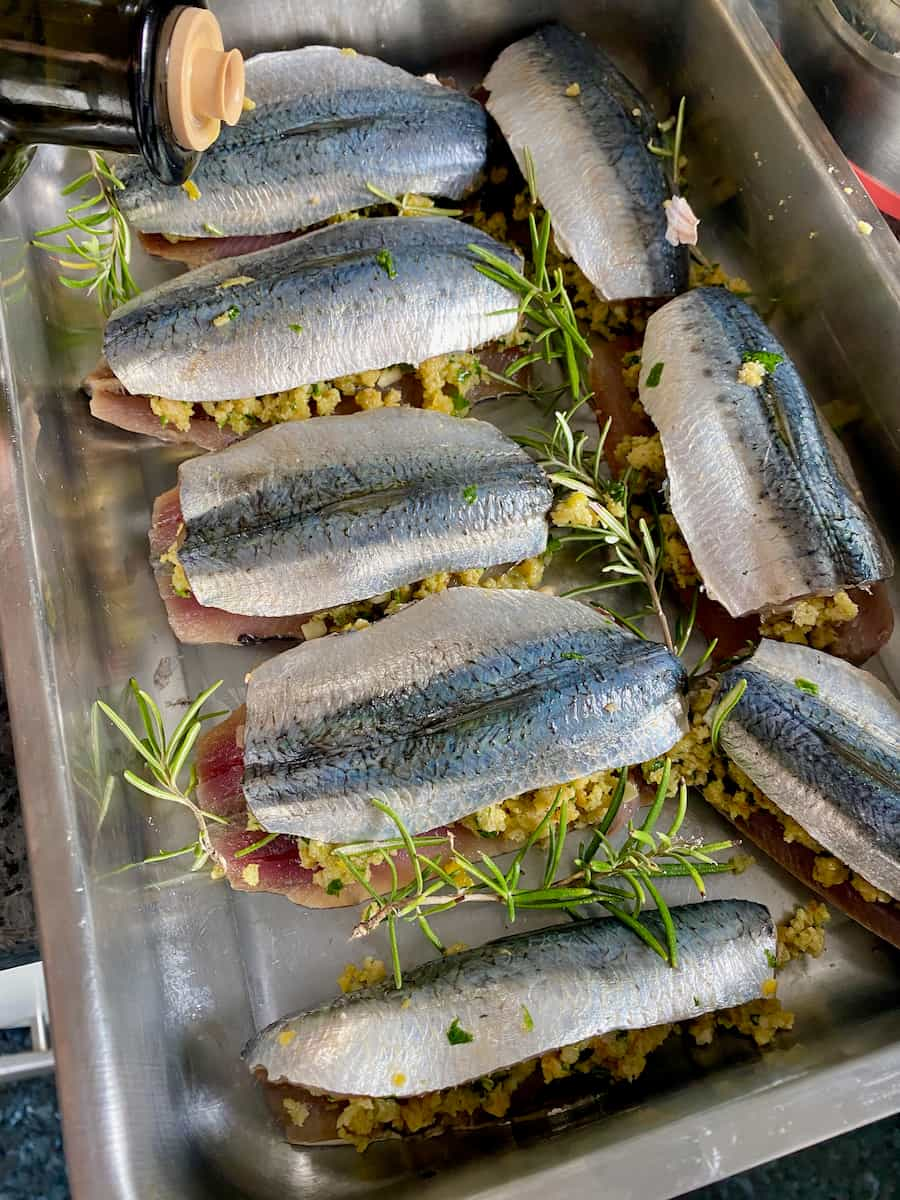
[[205, 84]]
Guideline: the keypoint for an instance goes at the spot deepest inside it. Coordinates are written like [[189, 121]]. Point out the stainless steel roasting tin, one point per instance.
[[156, 979]]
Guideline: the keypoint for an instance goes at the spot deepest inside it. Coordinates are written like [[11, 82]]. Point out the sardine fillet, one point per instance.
[[310, 515], [830, 760], [573, 981], [358, 296], [594, 173], [459, 701], [770, 513], [325, 125]]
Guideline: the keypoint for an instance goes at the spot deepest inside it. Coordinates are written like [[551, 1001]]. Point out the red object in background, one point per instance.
[[884, 197]]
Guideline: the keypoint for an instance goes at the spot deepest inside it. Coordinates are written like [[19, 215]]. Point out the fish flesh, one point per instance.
[[311, 515], [349, 298], [113, 404], [558, 96], [275, 866], [325, 124], [821, 739], [459, 701], [762, 492], [574, 981]]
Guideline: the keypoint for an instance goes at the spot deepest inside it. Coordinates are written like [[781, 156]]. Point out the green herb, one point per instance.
[[542, 301], [212, 230], [807, 685], [573, 656], [103, 253], [263, 841], [470, 493], [671, 147], [410, 205], [723, 710], [619, 878], [233, 312], [165, 758], [655, 375], [771, 960], [696, 1002], [553, 545], [335, 887], [460, 403], [385, 260], [527, 1020], [635, 553], [296, 328], [457, 1036], [765, 358]]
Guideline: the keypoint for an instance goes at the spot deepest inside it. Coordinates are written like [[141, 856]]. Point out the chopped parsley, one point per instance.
[[297, 328], [212, 230], [807, 685], [765, 358], [553, 544], [470, 493], [771, 959], [527, 1020], [460, 403], [573, 656], [457, 1036], [655, 374], [335, 887], [386, 262]]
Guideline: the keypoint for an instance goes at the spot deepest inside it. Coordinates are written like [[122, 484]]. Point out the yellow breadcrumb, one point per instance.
[[248, 105], [172, 412], [191, 190], [752, 374], [331, 871], [180, 585], [493, 224], [829, 871], [643, 454], [677, 560], [621, 1056], [759, 1019], [803, 933], [869, 892], [712, 275], [517, 818], [455, 948], [814, 621], [250, 875], [499, 175], [446, 381], [574, 89], [354, 978], [297, 1112], [574, 509]]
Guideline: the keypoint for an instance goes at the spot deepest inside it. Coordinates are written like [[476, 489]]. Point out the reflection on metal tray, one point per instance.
[[156, 979]]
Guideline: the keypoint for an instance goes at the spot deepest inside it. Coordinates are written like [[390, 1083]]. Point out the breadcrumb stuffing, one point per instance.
[[643, 454], [752, 373], [813, 621], [297, 1112], [446, 381], [803, 933], [516, 819], [172, 412], [759, 1019], [354, 978], [677, 560], [714, 276]]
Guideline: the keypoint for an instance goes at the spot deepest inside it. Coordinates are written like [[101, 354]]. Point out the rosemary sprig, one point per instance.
[[619, 879], [100, 259], [165, 759], [542, 301], [723, 710], [671, 147], [408, 204], [636, 552]]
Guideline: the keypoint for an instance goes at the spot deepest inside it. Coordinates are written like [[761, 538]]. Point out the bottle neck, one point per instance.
[[87, 73]]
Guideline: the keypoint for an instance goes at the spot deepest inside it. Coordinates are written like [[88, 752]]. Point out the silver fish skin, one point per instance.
[[764, 496], [358, 296], [575, 981], [594, 173], [830, 760], [459, 701], [326, 123], [313, 514]]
